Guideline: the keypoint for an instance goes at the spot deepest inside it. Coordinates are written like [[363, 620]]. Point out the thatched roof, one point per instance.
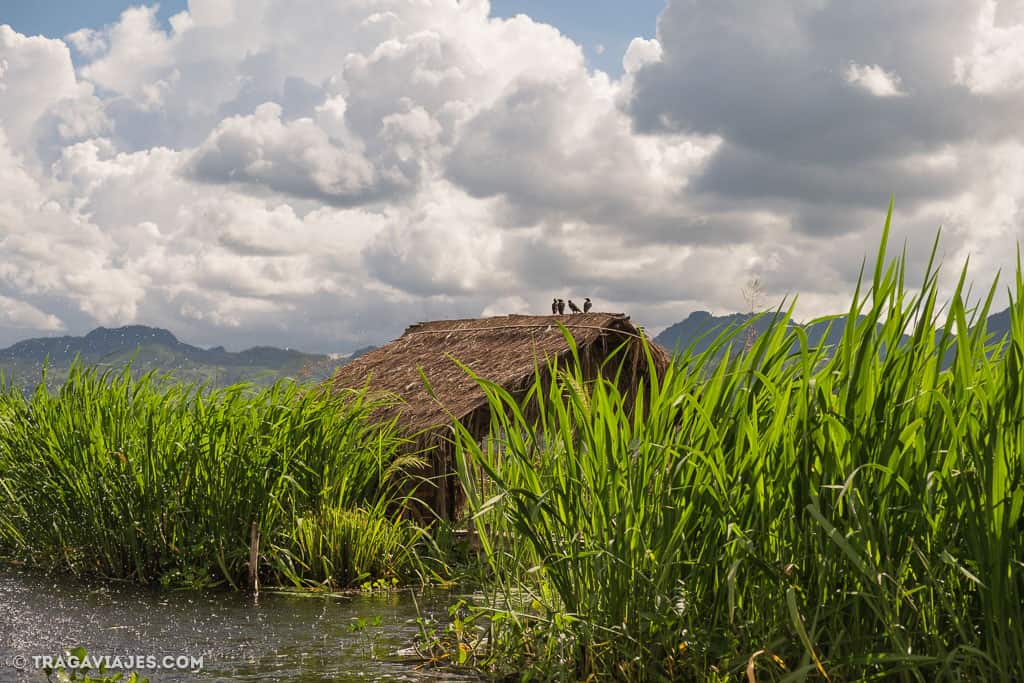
[[504, 349]]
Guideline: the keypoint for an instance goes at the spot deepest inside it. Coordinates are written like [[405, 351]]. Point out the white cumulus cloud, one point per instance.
[[319, 174], [874, 79]]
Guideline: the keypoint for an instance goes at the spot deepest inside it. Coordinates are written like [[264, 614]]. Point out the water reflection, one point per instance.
[[282, 637]]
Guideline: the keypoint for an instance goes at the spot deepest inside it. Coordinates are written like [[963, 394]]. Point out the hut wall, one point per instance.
[[444, 495]]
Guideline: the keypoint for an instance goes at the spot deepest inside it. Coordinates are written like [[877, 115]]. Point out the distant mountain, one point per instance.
[[153, 348], [700, 328], [100, 342], [999, 324], [324, 368], [361, 352]]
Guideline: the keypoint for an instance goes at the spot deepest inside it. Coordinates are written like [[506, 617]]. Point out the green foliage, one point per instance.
[[344, 547], [83, 673], [772, 513], [192, 366], [461, 643], [148, 480]]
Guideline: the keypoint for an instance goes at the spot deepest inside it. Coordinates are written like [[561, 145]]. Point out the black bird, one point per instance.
[[573, 307], [587, 305], [554, 307], [561, 307]]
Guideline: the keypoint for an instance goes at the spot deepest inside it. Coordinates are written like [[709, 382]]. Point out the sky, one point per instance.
[[602, 28], [319, 174]]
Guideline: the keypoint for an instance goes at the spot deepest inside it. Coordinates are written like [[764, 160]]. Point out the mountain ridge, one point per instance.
[[147, 348], [700, 328]]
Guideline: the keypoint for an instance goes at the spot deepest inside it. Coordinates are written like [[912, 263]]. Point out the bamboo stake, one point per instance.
[[254, 559]]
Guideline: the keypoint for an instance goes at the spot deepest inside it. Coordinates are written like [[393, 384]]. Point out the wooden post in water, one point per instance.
[[254, 559]]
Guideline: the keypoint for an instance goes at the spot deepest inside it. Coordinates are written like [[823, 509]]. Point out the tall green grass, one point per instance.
[[778, 515], [151, 480]]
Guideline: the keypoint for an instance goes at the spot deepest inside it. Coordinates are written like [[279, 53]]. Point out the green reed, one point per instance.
[[147, 479], [778, 513]]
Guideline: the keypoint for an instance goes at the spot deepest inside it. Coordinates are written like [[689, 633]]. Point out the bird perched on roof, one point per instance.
[[554, 307], [561, 307], [587, 305], [573, 307]]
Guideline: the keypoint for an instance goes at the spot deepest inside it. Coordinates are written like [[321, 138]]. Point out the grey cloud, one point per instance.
[[544, 264], [322, 323], [554, 155], [769, 78], [242, 245], [823, 155], [297, 158], [718, 226], [425, 260], [847, 186]]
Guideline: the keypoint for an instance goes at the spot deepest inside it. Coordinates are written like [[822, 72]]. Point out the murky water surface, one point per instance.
[[280, 637]]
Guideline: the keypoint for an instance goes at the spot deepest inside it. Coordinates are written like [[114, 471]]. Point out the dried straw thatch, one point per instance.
[[506, 350]]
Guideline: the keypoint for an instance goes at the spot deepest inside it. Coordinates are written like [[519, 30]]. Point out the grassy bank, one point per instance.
[[848, 515], [149, 480]]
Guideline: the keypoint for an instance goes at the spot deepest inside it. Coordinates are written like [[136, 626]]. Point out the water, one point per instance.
[[280, 637]]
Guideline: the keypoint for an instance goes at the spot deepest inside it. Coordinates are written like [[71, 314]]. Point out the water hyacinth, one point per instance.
[[774, 513]]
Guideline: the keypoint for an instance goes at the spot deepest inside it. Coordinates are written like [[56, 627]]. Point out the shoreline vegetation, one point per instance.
[[149, 480], [769, 510]]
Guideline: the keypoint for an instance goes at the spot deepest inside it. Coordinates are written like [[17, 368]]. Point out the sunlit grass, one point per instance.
[[778, 514], [151, 480]]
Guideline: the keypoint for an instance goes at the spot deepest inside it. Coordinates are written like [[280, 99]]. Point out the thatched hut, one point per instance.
[[506, 350]]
